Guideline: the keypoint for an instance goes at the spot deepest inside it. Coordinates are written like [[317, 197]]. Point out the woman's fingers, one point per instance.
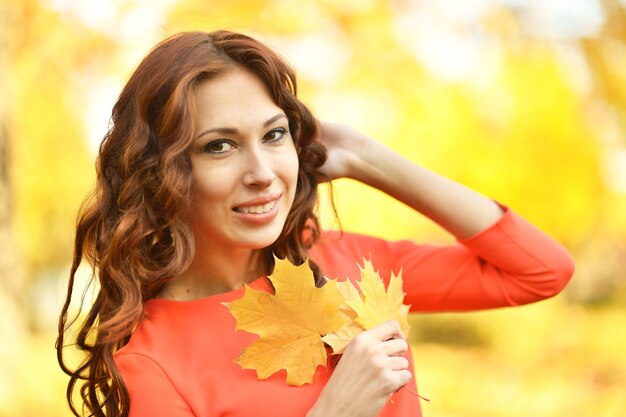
[[385, 331], [395, 347], [386, 338], [403, 377], [397, 363]]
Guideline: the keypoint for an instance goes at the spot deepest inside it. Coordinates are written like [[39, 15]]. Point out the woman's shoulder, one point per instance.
[[343, 239], [341, 254], [184, 326], [357, 243]]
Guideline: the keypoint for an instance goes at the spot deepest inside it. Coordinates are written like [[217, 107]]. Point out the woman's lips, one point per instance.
[[259, 211]]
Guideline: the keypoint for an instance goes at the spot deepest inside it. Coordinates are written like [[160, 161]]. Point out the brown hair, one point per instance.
[[132, 229]]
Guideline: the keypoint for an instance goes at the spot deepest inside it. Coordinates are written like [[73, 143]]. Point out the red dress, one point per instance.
[[179, 361]]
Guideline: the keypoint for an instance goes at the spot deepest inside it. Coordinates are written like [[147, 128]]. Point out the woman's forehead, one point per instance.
[[234, 97]]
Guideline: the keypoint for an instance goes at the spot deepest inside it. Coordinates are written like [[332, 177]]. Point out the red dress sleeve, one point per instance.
[[151, 393], [509, 263]]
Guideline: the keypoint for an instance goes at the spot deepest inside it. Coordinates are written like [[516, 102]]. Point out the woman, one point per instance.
[[209, 171]]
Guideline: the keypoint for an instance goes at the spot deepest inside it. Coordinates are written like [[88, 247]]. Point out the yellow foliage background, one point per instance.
[[524, 101]]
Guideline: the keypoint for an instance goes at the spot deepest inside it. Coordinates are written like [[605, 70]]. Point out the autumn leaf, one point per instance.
[[349, 294], [370, 308], [340, 339], [295, 321], [290, 323]]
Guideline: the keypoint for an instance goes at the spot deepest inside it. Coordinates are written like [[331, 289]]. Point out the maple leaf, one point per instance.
[[370, 308], [290, 323]]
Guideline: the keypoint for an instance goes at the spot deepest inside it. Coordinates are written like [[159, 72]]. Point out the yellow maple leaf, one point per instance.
[[350, 294], [290, 323], [370, 308]]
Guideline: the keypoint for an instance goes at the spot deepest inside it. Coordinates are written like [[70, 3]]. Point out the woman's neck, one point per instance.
[[213, 272]]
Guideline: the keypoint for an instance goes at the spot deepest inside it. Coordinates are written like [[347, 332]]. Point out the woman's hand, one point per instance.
[[343, 144], [371, 369]]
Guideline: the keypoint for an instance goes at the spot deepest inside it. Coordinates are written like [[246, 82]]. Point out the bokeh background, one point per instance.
[[523, 100]]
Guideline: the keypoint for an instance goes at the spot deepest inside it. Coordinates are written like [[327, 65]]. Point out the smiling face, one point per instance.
[[244, 164]]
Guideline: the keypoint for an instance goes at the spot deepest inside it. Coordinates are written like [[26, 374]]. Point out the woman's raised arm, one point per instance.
[[458, 209]]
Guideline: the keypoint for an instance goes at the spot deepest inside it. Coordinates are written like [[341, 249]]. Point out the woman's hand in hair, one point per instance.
[[371, 369], [345, 146]]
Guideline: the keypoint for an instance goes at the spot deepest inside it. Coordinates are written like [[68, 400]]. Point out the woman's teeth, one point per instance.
[[260, 209]]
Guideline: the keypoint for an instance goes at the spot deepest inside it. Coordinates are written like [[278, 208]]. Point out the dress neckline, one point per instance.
[[260, 283]]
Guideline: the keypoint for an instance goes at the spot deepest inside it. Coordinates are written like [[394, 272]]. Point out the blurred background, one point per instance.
[[524, 101]]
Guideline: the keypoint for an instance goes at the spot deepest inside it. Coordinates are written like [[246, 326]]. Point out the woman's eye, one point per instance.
[[275, 135], [217, 147]]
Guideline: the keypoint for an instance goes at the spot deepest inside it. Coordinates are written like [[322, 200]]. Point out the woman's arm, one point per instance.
[[458, 209], [503, 260], [486, 271]]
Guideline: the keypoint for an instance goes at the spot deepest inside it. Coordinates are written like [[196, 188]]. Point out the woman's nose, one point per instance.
[[259, 170]]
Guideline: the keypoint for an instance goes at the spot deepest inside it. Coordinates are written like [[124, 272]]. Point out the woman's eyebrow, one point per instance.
[[233, 131], [273, 119]]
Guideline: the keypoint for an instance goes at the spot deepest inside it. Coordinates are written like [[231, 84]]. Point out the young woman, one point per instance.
[[210, 170]]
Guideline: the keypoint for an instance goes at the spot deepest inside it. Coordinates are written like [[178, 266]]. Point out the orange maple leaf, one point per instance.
[[370, 308], [290, 323]]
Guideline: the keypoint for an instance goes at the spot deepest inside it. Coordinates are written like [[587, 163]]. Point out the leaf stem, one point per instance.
[[415, 393]]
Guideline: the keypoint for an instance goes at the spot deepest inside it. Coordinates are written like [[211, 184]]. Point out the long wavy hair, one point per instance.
[[133, 228]]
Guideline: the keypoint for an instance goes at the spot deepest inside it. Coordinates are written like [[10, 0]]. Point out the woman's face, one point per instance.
[[244, 164]]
